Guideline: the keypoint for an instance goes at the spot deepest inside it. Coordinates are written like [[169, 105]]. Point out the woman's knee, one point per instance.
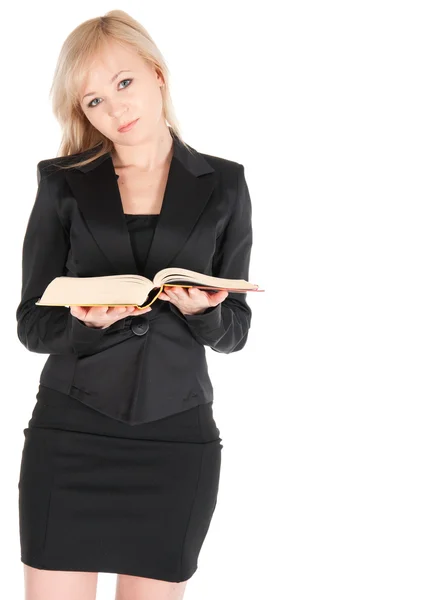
[[42, 584], [130, 587]]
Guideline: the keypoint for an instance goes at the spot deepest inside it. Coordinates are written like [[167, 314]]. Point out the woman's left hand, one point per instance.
[[192, 301]]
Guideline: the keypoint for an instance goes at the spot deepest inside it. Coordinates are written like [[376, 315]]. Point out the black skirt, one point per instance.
[[98, 495]]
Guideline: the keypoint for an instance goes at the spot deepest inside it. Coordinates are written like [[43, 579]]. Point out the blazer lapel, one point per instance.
[[97, 195], [189, 186], [186, 195]]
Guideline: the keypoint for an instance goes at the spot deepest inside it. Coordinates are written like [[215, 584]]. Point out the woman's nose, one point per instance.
[[117, 110]]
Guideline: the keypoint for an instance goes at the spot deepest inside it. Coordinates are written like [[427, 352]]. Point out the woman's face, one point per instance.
[[133, 94]]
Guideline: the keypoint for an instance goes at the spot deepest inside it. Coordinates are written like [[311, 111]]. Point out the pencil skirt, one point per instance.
[[102, 496]]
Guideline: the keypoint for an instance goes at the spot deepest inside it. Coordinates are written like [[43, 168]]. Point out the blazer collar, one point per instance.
[[190, 183]]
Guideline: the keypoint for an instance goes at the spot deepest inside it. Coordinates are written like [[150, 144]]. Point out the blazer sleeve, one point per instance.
[[51, 329], [224, 328]]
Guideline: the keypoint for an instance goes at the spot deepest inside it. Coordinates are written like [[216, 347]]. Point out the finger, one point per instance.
[[121, 310], [171, 295], [97, 311], [169, 291], [196, 292], [180, 292], [140, 311], [215, 299], [197, 296], [107, 313], [78, 311], [114, 311]]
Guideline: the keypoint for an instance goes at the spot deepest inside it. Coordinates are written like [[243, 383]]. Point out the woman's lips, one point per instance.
[[127, 127]]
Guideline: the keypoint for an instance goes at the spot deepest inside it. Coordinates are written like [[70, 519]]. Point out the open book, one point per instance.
[[132, 290]]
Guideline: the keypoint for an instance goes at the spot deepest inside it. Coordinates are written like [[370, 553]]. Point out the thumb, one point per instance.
[[218, 297]]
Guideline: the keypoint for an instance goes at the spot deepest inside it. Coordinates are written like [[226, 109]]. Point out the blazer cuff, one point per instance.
[[82, 334], [207, 322]]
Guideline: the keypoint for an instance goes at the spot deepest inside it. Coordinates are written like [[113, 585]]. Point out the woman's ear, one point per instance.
[[160, 78]]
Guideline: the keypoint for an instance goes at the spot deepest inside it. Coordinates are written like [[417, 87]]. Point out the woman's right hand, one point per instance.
[[101, 317]]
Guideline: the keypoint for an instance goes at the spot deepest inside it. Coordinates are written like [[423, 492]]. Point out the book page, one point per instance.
[[173, 274], [110, 290]]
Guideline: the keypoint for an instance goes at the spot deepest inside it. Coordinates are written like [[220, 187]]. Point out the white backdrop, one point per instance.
[[325, 415]]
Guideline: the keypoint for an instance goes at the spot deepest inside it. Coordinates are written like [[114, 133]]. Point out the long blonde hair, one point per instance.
[[79, 48]]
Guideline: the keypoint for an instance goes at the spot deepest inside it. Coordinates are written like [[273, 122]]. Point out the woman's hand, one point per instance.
[[101, 317], [192, 301]]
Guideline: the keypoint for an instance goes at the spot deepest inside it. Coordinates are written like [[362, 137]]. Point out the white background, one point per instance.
[[325, 415]]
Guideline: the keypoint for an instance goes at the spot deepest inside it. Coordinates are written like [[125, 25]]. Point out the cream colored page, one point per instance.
[[172, 274], [82, 291]]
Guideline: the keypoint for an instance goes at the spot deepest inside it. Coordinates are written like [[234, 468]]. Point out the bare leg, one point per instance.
[[142, 588], [41, 584]]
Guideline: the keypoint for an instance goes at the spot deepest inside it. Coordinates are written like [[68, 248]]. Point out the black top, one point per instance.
[[141, 230]]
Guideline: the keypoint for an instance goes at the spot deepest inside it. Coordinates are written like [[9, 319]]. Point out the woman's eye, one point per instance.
[[91, 105], [125, 80]]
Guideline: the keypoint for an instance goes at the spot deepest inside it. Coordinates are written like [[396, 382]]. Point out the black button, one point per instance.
[[140, 325]]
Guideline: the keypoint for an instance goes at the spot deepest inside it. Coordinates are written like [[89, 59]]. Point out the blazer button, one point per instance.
[[140, 325]]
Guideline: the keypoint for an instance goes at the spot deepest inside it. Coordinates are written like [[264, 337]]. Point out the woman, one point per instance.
[[121, 460]]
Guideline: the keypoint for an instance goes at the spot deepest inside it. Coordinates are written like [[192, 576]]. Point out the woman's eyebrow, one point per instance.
[[111, 81]]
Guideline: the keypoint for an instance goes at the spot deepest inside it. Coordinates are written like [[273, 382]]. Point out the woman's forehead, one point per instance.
[[103, 66]]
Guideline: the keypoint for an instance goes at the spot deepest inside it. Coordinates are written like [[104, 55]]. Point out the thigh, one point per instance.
[[41, 584], [130, 587]]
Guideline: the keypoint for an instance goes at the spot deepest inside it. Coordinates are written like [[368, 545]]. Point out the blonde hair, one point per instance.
[[79, 48]]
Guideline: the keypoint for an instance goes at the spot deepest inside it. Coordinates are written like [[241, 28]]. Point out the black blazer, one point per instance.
[[145, 367]]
